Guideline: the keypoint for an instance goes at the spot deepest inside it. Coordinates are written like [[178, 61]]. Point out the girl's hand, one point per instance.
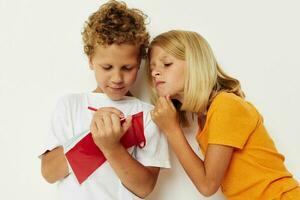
[[165, 115], [107, 129]]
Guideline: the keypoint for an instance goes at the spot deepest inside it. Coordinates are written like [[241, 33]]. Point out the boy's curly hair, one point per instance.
[[115, 23]]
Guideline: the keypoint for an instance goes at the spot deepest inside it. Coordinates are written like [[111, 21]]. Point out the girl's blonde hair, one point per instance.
[[204, 77]]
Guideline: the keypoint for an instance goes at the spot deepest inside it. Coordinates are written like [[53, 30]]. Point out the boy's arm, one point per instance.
[[107, 131], [54, 165], [136, 177]]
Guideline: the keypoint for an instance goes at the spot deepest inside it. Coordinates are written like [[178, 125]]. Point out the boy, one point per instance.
[[115, 41]]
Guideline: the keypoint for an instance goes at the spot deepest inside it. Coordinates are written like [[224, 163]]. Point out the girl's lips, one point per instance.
[[158, 83]]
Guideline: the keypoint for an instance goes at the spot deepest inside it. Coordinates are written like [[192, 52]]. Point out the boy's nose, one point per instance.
[[117, 78]]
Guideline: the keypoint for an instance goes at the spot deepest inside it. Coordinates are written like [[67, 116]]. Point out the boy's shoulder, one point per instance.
[[71, 98], [144, 103], [79, 98]]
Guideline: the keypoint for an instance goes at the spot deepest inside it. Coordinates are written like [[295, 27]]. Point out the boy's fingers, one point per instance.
[[110, 111], [115, 111], [107, 122], [127, 124], [98, 125], [94, 128], [116, 124]]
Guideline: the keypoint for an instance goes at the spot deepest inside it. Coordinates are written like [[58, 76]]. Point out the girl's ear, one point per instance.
[[140, 62], [91, 65]]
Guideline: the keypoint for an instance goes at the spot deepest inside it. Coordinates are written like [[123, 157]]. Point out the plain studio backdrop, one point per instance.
[[42, 59]]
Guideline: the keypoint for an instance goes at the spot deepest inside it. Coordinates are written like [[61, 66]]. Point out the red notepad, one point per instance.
[[85, 157]]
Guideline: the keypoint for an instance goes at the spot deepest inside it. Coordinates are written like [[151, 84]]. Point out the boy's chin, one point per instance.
[[116, 97]]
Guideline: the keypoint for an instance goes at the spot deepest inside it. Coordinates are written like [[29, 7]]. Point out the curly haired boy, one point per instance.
[[115, 40]]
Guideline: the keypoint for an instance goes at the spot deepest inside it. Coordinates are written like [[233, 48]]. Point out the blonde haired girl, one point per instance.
[[239, 154]]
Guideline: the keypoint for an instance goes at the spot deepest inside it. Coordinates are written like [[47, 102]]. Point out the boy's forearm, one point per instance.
[[137, 178], [54, 165]]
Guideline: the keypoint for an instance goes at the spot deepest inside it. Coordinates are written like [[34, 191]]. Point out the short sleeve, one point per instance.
[[231, 122], [60, 127], [155, 153]]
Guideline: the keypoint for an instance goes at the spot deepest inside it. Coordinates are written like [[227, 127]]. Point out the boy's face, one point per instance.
[[115, 68]]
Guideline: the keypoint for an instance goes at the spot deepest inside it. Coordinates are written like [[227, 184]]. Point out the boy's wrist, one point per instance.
[[113, 150]]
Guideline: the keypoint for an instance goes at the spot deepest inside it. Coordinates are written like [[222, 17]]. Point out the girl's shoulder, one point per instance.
[[232, 103], [228, 99]]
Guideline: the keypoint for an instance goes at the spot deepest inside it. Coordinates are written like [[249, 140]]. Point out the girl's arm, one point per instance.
[[206, 175], [107, 131], [54, 165]]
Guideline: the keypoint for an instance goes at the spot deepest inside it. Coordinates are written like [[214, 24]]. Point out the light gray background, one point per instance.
[[41, 59]]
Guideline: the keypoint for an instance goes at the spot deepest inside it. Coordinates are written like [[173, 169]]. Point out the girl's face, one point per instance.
[[168, 73], [115, 68]]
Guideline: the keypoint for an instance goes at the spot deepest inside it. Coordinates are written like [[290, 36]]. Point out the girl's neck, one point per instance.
[[178, 97]]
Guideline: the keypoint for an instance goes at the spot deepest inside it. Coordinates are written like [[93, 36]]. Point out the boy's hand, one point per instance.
[[165, 115], [107, 130], [108, 110]]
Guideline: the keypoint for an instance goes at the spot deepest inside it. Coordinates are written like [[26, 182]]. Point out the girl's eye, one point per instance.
[[168, 64], [127, 68]]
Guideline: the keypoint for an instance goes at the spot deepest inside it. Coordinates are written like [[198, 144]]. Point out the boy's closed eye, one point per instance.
[[106, 67]]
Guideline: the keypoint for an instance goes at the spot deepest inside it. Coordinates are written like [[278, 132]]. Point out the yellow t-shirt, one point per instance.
[[256, 170]]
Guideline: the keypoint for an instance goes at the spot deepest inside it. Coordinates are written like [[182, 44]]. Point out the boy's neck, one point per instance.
[[98, 90]]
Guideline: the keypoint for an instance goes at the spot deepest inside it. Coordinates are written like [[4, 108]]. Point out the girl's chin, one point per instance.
[[164, 94], [161, 94]]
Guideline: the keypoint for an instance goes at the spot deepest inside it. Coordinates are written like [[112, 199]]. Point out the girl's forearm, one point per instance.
[[134, 176], [192, 164]]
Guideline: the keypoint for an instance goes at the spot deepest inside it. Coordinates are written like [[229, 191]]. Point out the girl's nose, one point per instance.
[[155, 73]]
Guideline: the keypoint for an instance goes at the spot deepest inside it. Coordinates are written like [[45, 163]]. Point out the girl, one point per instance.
[[239, 154]]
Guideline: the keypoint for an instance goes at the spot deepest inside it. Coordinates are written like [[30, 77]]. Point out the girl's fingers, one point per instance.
[[164, 102], [152, 113], [170, 103], [157, 105]]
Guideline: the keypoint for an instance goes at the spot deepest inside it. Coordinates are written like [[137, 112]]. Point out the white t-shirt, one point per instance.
[[72, 117]]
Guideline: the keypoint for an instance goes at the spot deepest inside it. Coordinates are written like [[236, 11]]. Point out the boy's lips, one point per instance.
[[116, 88]]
